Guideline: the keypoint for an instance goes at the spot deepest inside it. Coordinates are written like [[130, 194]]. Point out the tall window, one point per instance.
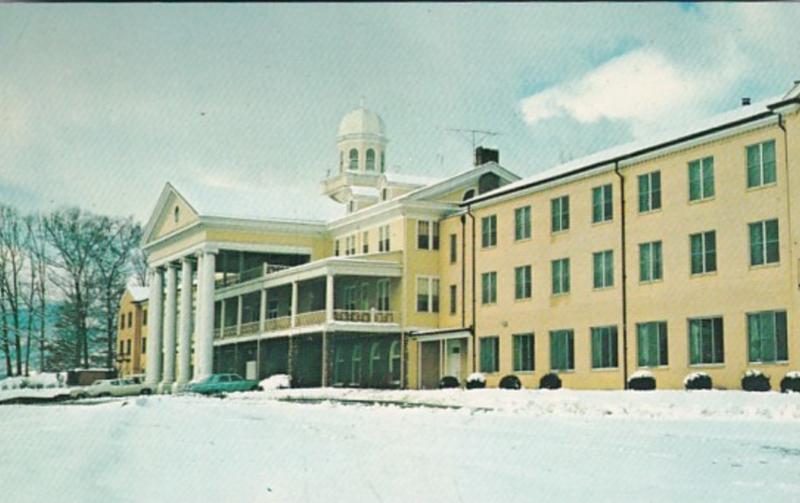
[[383, 238], [144, 345], [394, 361], [336, 248], [562, 350], [761, 164], [370, 160], [704, 252], [560, 276], [355, 368], [523, 353], [427, 294], [122, 321], [522, 223], [603, 269], [489, 231], [559, 214], [522, 282], [651, 340], [706, 344], [353, 159], [650, 191], [453, 299], [766, 336], [374, 359], [602, 203], [350, 245], [650, 268], [423, 235], [435, 235], [383, 295], [489, 288], [490, 354], [701, 179], [604, 347], [453, 248], [764, 242]]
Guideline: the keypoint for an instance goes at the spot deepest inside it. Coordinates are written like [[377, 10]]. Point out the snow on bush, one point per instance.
[[755, 380], [791, 382], [510, 382], [37, 380], [449, 382], [476, 380], [697, 380], [642, 380], [550, 381], [277, 381]]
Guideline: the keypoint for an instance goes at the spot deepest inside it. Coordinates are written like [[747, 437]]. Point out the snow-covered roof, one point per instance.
[[406, 179], [286, 204], [139, 293], [362, 121], [609, 155]]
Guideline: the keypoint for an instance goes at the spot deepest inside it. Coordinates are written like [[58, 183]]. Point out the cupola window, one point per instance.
[[383, 162], [354, 159], [370, 160]]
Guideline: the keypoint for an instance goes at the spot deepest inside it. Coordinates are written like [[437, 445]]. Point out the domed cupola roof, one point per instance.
[[361, 122]]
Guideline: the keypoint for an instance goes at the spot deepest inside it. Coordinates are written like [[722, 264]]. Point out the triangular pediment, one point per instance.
[[172, 213]]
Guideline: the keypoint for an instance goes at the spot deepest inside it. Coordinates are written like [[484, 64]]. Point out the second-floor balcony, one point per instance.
[[331, 294]]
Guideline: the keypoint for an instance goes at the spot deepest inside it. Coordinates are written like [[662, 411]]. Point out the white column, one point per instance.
[[294, 303], [205, 342], [154, 303], [262, 313], [329, 298], [185, 325], [170, 314], [198, 315]]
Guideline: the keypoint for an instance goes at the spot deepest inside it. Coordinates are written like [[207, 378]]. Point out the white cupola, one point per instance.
[[362, 143]]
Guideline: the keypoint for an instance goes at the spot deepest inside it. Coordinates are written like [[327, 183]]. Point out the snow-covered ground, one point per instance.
[[497, 446]]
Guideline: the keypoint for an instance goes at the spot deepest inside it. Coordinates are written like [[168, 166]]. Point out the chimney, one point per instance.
[[745, 102], [484, 155]]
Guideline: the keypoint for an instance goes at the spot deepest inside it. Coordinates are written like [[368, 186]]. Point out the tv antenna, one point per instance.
[[476, 136]]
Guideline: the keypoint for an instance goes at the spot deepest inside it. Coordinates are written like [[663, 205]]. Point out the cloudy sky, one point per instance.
[[101, 105]]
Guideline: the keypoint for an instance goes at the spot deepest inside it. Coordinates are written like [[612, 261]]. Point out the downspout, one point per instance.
[[472, 286], [463, 270], [782, 125], [624, 277]]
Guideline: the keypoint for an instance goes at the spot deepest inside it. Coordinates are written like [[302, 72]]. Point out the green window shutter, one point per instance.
[[756, 244], [708, 177], [644, 193], [655, 184], [657, 268], [753, 338], [697, 253], [710, 243], [597, 273], [597, 205], [768, 349], [644, 262], [753, 166], [565, 213], [609, 268], [719, 341], [596, 349], [663, 346], [652, 344], [772, 242], [608, 202], [707, 341], [565, 276], [694, 181], [555, 351], [555, 218], [768, 161], [641, 348], [485, 357], [781, 346], [694, 342]]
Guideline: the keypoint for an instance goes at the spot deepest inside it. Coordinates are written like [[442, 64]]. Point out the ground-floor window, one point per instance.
[[374, 360], [490, 354], [355, 368], [562, 350], [523, 353], [339, 362], [706, 341], [651, 340], [394, 361], [604, 347], [766, 335]]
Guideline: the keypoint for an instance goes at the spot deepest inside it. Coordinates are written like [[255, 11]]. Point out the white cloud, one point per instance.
[[642, 87]]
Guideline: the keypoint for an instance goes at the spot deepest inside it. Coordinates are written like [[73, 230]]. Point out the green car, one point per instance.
[[223, 383]]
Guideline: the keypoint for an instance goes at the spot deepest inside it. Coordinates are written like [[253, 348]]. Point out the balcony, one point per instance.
[[261, 271]]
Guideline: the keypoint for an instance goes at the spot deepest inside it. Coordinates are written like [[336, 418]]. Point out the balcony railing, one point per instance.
[[310, 318], [256, 272], [365, 316]]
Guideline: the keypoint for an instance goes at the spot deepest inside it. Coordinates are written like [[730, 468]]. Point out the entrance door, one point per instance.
[[429, 365], [453, 363]]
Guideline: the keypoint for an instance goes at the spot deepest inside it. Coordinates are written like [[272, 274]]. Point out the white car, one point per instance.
[[112, 387]]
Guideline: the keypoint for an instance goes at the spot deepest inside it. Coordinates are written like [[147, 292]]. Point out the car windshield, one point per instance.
[[236, 377]]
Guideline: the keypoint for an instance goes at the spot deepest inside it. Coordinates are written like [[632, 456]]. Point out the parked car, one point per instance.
[[223, 383], [112, 387]]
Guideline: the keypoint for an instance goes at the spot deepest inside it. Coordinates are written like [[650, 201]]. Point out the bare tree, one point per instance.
[[12, 257], [113, 266], [37, 251], [75, 236], [139, 264]]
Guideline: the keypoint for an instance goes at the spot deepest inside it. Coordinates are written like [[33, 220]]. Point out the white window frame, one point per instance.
[[432, 286]]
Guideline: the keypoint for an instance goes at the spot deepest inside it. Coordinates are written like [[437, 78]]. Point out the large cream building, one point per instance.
[[674, 255]]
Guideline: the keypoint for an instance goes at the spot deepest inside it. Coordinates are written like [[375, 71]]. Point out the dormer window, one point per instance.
[[354, 159], [370, 160], [176, 214]]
